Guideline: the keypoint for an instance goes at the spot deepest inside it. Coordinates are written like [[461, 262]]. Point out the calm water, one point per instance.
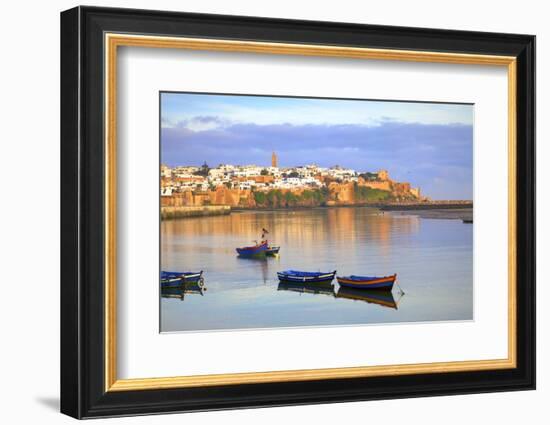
[[433, 259]]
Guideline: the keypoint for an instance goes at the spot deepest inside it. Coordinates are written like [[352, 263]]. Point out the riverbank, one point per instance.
[[167, 213], [430, 205], [445, 210], [382, 206], [453, 210], [464, 214]]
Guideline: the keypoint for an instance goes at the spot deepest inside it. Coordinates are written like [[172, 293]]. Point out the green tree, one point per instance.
[[324, 195], [270, 198], [369, 176], [290, 198], [368, 194], [260, 198]]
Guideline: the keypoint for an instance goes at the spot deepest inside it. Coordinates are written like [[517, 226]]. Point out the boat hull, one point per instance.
[[177, 280], [306, 278], [272, 250], [382, 283], [171, 283], [252, 251]]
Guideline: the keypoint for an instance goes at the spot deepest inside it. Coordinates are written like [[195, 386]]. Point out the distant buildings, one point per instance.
[[181, 179]]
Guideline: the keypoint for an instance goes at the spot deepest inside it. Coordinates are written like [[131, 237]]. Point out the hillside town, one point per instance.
[[253, 186]]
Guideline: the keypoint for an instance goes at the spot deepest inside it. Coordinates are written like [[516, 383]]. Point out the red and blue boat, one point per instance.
[[179, 279], [295, 276], [367, 282], [258, 250]]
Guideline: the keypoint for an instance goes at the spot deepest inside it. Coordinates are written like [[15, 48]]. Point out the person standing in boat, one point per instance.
[[264, 233]]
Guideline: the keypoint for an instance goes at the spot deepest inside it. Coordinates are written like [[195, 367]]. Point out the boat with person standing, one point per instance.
[[257, 250]]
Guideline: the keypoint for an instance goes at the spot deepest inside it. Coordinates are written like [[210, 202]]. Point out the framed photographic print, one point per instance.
[[261, 212]]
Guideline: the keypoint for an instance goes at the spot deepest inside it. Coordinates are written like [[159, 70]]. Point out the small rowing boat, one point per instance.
[[253, 251], [178, 279], [295, 276], [367, 282]]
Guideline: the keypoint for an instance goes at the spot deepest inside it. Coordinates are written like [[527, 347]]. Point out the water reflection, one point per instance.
[[433, 259], [380, 297], [179, 293], [323, 289], [261, 265]]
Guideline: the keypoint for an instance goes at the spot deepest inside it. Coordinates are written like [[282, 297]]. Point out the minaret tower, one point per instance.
[[274, 160]]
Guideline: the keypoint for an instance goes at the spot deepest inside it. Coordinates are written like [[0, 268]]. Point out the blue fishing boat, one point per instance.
[[295, 276], [367, 282], [178, 279], [254, 250]]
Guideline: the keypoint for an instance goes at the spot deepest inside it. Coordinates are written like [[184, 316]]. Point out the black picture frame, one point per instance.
[[83, 392]]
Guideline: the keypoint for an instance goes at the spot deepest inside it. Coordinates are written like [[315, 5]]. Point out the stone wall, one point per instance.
[[338, 194], [381, 185], [184, 212], [221, 196], [341, 193]]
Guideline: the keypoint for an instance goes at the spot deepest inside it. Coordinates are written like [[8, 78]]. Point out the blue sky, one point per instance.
[[428, 144]]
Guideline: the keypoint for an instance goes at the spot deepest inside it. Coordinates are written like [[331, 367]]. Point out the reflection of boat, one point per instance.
[[377, 296], [253, 251], [295, 276], [255, 261], [367, 282], [272, 250], [177, 279], [179, 293], [325, 289]]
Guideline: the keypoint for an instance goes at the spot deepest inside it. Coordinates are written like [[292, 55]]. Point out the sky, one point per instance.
[[429, 145]]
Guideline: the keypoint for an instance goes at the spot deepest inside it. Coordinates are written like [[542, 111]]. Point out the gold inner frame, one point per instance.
[[113, 41]]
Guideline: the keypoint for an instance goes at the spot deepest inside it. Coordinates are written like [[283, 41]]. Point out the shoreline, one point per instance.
[[436, 206], [169, 213], [451, 210], [464, 214]]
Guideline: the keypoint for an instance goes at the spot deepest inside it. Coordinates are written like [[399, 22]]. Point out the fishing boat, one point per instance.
[[254, 250], [295, 276], [367, 282], [178, 279], [381, 297], [272, 250]]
